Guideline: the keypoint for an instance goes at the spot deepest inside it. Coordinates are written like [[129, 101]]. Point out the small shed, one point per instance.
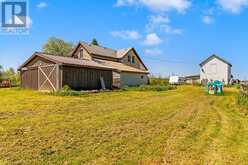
[[50, 73]]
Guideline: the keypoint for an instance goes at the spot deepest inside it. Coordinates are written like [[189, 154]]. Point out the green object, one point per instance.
[[215, 88]]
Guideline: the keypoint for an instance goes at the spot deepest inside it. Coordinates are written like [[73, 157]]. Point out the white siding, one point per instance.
[[216, 69], [133, 79]]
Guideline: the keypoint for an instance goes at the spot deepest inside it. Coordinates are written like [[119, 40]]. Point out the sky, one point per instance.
[[171, 36]]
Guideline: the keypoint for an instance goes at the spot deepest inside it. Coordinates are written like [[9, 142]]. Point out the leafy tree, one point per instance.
[[1, 72], [11, 75], [94, 42], [57, 46]]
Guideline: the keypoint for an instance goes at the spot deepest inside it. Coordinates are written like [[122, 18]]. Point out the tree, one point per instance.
[[57, 46], [94, 42], [1, 72], [12, 75]]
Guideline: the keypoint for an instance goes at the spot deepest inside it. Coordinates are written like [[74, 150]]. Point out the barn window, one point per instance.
[[142, 77], [133, 59], [81, 54], [128, 58]]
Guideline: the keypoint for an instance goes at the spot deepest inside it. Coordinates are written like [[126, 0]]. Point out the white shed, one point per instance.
[[215, 68]]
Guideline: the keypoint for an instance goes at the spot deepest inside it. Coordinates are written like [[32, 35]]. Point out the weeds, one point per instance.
[[157, 88]]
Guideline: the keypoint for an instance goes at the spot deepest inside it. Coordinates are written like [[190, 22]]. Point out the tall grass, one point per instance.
[[159, 81], [243, 100], [156, 88]]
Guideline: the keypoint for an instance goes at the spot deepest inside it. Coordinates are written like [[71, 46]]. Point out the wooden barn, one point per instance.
[[50, 73]]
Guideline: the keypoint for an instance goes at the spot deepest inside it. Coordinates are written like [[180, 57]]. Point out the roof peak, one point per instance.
[[215, 56], [92, 45]]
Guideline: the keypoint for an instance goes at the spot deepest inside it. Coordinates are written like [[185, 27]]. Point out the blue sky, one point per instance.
[[171, 36]]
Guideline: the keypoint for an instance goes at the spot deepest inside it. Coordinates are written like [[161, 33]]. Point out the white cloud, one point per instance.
[[152, 39], [42, 5], [155, 21], [157, 5], [207, 20], [161, 23], [153, 52], [159, 19], [168, 29], [233, 6], [120, 3], [126, 34]]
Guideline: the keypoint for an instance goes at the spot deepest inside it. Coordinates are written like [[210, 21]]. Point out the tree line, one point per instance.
[[10, 74]]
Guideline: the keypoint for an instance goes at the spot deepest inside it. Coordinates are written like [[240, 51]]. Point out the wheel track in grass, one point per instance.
[[187, 145], [228, 148], [162, 127]]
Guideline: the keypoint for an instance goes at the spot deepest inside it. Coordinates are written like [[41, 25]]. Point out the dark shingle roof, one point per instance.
[[102, 51]]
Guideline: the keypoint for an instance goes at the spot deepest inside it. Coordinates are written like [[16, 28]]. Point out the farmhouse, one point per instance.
[[215, 68], [87, 67]]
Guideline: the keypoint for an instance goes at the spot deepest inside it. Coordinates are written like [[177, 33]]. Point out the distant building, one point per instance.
[[215, 68], [193, 79]]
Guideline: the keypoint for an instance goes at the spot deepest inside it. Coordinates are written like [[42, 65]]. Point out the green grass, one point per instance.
[[181, 126]]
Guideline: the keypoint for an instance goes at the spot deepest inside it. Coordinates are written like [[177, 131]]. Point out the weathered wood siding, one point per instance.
[[85, 78], [29, 79], [137, 63]]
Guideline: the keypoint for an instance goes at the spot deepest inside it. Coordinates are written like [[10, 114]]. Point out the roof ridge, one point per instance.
[[216, 56], [49, 54]]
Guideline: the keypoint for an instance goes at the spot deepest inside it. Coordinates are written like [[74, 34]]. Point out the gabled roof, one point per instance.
[[101, 51], [67, 61], [212, 57], [106, 52]]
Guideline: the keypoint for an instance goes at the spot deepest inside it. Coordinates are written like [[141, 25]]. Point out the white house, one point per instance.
[[215, 68]]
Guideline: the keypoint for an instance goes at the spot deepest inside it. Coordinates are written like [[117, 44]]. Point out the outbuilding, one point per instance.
[[50, 73], [215, 68]]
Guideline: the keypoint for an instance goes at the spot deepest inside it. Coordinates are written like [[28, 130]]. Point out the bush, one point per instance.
[[157, 88], [158, 81], [67, 91], [243, 100]]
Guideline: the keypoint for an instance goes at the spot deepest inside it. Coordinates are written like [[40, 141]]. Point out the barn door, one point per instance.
[[47, 78]]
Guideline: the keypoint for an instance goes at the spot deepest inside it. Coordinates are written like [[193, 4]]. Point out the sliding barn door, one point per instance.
[[48, 78]]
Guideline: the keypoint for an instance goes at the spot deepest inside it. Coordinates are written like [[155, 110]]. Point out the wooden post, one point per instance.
[[57, 77]]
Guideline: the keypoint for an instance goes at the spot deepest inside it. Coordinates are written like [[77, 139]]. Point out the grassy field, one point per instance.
[[182, 126]]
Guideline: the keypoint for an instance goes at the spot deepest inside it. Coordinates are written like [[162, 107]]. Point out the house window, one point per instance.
[[142, 77], [133, 59], [81, 54], [128, 58]]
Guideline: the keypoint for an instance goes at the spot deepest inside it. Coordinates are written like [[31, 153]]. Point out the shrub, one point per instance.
[[67, 91], [158, 81], [243, 100]]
